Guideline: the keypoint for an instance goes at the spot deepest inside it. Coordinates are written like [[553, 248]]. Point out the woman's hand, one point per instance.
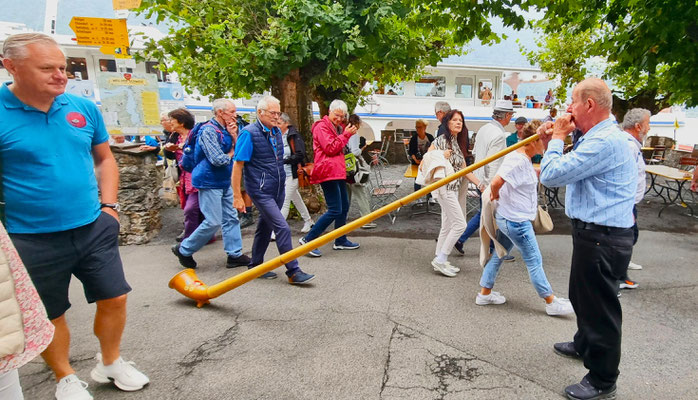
[[171, 147], [350, 130], [447, 153]]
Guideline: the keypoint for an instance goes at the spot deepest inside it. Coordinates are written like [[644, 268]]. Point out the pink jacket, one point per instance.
[[329, 152]]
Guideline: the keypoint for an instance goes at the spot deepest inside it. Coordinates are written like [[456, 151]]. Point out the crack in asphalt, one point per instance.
[[386, 367], [204, 352]]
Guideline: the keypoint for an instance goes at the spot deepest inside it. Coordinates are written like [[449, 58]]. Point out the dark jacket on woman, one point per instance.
[[297, 157], [413, 149]]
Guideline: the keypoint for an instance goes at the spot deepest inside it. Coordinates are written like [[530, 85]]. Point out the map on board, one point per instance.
[[130, 103]]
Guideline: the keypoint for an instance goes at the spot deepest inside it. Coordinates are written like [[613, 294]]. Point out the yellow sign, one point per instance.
[[151, 107], [101, 32], [125, 4]]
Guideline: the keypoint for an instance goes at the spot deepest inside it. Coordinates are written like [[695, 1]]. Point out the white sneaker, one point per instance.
[[492, 298], [370, 225], [559, 306], [450, 266], [72, 388], [125, 376], [307, 226], [445, 268], [632, 265]]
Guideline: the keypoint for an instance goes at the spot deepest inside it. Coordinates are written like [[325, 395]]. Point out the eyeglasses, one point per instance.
[[273, 113]]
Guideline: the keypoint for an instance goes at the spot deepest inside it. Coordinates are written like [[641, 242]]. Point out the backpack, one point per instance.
[[188, 161]]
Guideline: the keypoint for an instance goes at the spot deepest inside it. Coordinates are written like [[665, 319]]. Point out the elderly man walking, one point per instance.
[[636, 124], [440, 109], [51, 145], [490, 140], [213, 156], [601, 178], [260, 151]]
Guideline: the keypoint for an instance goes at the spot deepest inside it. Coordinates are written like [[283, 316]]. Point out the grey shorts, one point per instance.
[[90, 252]]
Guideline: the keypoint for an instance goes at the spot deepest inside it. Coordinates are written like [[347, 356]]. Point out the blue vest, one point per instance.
[[205, 175], [264, 172]]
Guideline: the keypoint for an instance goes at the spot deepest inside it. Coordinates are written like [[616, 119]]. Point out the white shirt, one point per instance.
[[287, 153], [490, 140], [636, 148], [518, 197]]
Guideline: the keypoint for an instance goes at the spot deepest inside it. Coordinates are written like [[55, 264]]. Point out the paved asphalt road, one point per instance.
[[378, 323]]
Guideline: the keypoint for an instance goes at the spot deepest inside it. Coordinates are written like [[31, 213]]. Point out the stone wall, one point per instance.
[[139, 187]]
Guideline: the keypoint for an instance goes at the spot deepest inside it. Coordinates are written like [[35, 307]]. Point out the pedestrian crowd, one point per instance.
[[60, 208]]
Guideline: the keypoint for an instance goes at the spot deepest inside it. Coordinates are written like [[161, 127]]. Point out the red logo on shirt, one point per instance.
[[76, 119]]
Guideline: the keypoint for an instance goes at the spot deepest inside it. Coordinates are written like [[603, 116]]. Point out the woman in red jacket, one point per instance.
[[330, 137]]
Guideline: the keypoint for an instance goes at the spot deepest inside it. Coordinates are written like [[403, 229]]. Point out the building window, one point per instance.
[[430, 86], [107, 65], [153, 67], [76, 68], [464, 87]]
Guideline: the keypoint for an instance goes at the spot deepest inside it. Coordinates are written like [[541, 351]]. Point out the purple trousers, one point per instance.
[[192, 214]]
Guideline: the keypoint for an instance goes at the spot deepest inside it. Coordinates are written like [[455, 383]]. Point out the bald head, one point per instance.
[[596, 89]]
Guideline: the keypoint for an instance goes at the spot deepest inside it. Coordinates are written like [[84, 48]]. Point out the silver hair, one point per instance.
[[221, 104], [634, 117], [499, 115], [339, 105], [442, 106], [264, 103], [286, 119], [421, 122], [15, 46]]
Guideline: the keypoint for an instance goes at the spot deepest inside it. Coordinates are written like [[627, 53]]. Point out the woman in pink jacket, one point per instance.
[[330, 137]]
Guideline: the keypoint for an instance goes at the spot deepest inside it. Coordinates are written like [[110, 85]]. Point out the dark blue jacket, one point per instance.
[[264, 172], [206, 175]]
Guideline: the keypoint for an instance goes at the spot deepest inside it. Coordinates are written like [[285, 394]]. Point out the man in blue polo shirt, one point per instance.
[[51, 144], [260, 151]]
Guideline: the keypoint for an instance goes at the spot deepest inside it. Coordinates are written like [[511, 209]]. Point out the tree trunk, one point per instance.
[[647, 100], [295, 99]]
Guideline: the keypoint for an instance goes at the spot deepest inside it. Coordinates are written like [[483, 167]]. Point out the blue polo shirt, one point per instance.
[[46, 161]]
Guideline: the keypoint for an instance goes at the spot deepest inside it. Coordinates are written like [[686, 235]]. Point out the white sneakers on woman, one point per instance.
[[559, 306], [492, 298], [445, 268]]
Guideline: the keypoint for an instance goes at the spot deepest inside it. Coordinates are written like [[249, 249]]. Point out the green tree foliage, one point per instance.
[[314, 49], [649, 48]]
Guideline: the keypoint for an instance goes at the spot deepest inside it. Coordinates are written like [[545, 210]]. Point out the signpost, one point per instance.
[[125, 4], [111, 34]]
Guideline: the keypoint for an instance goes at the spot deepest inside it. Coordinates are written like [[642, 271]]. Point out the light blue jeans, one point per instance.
[[521, 235], [217, 207]]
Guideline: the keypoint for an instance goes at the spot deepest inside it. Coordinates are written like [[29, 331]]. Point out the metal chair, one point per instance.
[[657, 156]]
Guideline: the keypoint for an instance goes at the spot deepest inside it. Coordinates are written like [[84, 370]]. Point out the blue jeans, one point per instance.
[[473, 223], [337, 208], [271, 219], [217, 207], [521, 235]]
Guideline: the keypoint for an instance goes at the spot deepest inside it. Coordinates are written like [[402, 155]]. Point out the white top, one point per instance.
[[518, 197], [287, 153], [490, 140], [636, 148]]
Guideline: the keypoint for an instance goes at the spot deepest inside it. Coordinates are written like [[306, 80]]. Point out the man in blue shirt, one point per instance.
[[260, 151], [601, 178], [213, 155], [51, 145]]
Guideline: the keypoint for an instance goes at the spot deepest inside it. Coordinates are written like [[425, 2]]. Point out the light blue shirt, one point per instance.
[[600, 174]]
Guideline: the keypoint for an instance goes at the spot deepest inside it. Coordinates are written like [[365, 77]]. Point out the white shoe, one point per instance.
[[632, 265], [492, 298], [307, 226], [559, 306], [450, 266], [72, 388], [125, 376], [445, 268], [370, 225]]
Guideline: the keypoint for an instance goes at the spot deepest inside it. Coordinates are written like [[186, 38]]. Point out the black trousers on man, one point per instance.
[[600, 258]]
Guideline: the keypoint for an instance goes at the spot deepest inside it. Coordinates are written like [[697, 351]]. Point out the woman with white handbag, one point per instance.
[[516, 188]]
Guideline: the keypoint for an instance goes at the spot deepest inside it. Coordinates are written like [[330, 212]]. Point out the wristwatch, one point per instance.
[[115, 206]]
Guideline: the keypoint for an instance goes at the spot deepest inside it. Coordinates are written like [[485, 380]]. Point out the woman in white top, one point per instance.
[[454, 144], [516, 188], [291, 160]]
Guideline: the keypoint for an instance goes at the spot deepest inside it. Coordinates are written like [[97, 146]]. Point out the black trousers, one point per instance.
[[600, 258]]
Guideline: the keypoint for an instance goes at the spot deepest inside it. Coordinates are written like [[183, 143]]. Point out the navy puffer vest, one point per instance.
[[264, 173]]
